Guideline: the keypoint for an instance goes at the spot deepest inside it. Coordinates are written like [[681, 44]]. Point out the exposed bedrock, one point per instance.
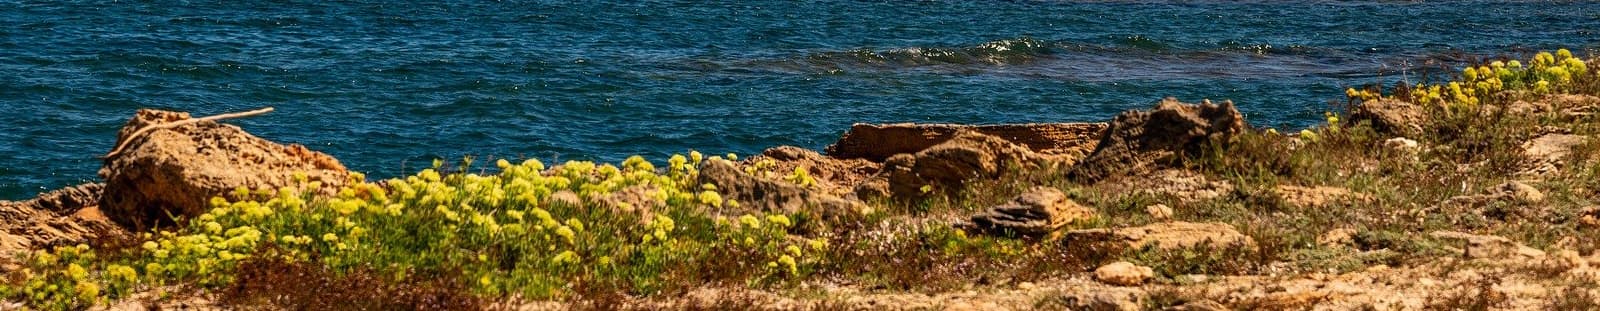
[[177, 170]]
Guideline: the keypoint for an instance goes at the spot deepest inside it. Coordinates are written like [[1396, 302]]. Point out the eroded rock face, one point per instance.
[[878, 142], [1394, 117], [834, 176], [61, 217], [768, 194], [1037, 212], [178, 170], [1143, 141], [1166, 236], [949, 165]]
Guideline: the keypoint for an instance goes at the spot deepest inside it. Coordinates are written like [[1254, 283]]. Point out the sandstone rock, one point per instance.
[[1166, 235], [1142, 141], [1548, 154], [64, 216], [1393, 117], [1566, 260], [1159, 211], [1574, 107], [1487, 246], [1200, 305], [947, 166], [1184, 185], [1038, 212], [176, 171], [768, 194], [834, 176], [1589, 216], [1123, 273], [1306, 197], [1106, 299], [878, 142]]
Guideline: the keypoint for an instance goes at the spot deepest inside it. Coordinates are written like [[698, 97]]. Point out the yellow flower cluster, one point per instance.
[[529, 229], [1545, 73]]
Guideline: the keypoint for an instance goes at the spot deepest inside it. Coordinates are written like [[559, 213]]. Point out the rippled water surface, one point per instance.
[[386, 86]]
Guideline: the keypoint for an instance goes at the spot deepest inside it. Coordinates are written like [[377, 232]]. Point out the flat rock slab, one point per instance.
[[1548, 154], [1165, 236], [1487, 246]]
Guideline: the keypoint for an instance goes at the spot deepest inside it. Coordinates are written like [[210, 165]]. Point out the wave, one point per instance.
[[1008, 51], [1028, 50]]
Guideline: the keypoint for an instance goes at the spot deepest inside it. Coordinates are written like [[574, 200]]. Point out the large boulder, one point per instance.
[[177, 170], [1395, 117], [768, 194], [1038, 212], [949, 165], [878, 142], [1143, 141]]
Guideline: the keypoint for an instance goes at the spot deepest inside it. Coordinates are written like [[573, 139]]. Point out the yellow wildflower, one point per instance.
[[566, 233], [87, 290], [780, 220]]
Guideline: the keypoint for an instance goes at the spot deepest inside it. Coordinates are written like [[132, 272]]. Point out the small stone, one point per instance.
[[1401, 144], [1159, 211], [1123, 273], [1193, 278]]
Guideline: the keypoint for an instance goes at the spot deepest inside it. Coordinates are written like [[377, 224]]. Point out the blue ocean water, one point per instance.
[[386, 86]]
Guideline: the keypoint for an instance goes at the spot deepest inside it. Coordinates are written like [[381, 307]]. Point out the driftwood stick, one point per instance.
[[147, 129]]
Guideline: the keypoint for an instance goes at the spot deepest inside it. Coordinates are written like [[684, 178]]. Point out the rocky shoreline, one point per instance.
[[1137, 183]]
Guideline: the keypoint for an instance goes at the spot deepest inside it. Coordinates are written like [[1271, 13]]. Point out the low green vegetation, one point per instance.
[[587, 231]]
